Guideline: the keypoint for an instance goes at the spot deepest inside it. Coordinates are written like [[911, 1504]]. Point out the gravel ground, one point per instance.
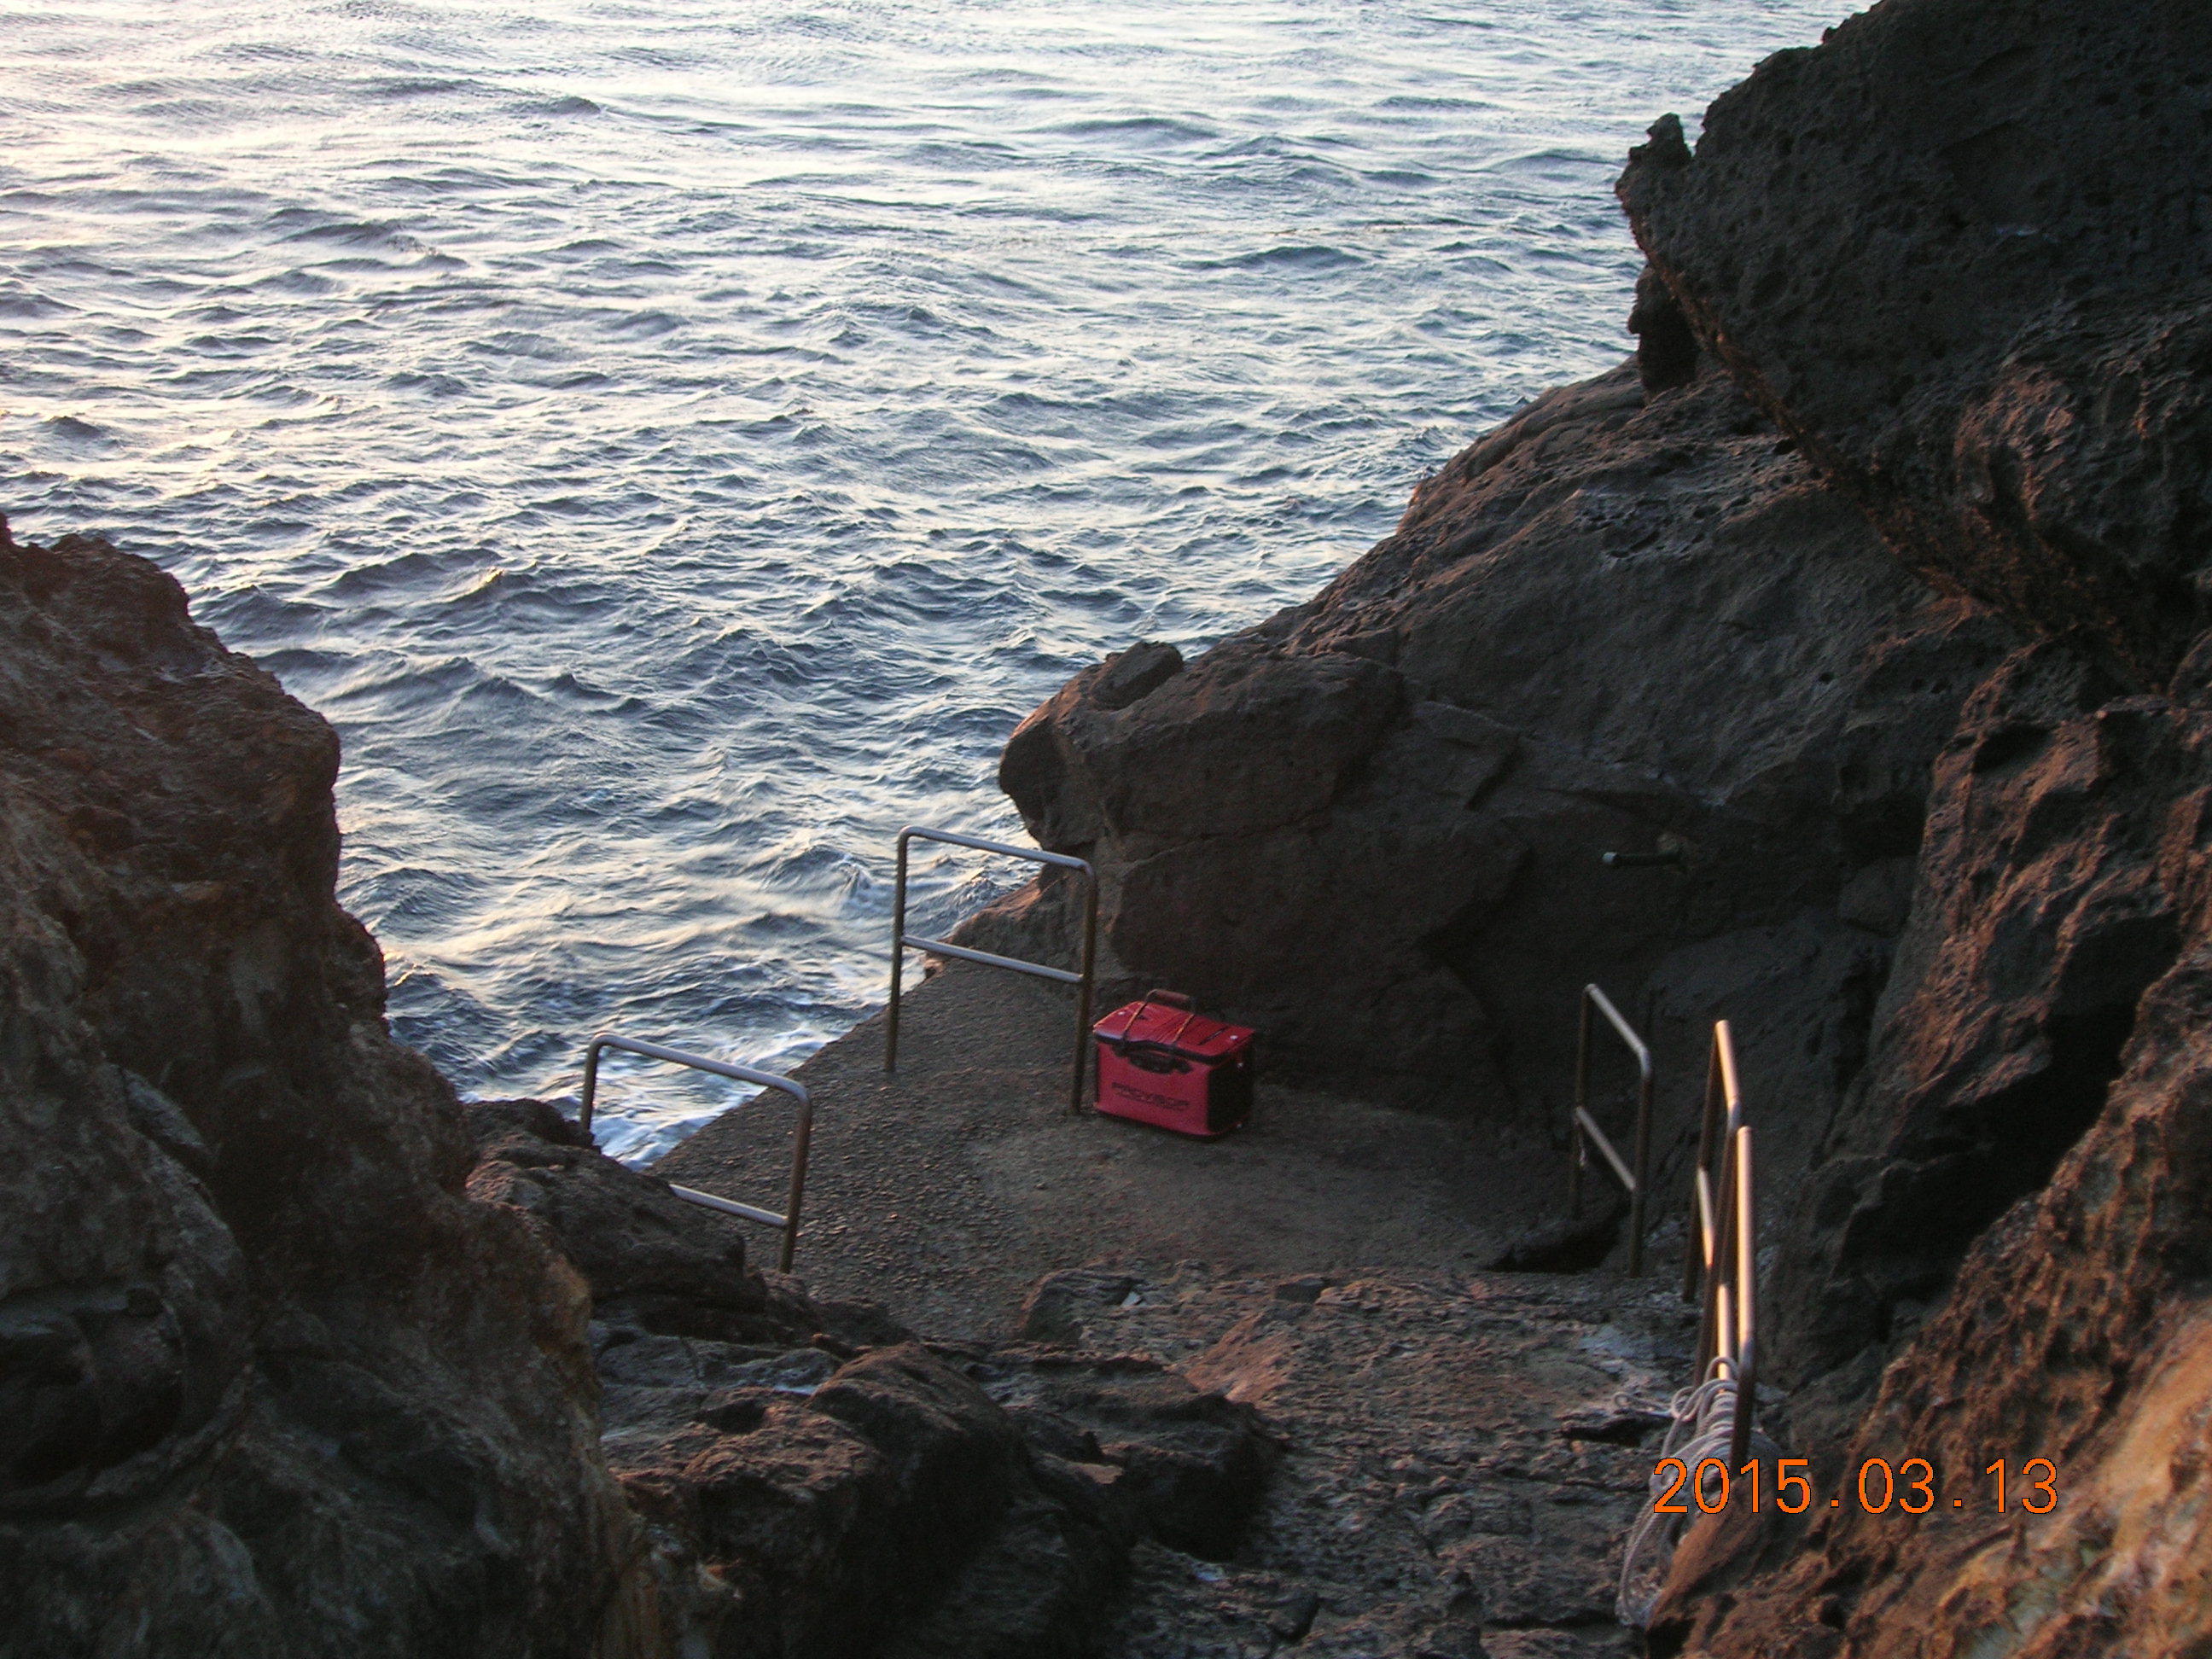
[[946, 1190]]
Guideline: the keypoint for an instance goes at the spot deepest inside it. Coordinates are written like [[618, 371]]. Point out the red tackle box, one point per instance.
[[1161, 1061]]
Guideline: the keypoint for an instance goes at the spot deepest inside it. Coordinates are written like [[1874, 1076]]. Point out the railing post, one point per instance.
[[898, 957], [1747, 1292], [1083, 991], [1715, 1334], [802, 1136], [591, 1085], [1583, 1129], [1701, 1196], [1636, 1203], [903, 941], [1579, 1153]]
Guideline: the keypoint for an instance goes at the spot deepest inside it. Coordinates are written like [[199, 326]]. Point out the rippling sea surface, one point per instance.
[[674, 444]]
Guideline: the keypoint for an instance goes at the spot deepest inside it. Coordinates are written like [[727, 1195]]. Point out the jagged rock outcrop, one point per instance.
[[2055, 888], [816, 1483], [2068, 866], [269, 1383], [1961, 252], [1371, 826]]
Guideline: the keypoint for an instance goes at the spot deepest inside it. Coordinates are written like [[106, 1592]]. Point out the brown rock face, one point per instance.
[[2078, 1329], [2049, 900], [270, 1385], [1961, 252], [1371, 826]]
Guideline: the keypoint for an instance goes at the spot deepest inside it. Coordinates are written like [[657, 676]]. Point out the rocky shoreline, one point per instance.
[[1873, 592]]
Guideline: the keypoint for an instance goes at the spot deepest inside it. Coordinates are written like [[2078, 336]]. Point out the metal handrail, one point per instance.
[[903, 941], [789, 1221], [1722, 1247], [1637, 1181]]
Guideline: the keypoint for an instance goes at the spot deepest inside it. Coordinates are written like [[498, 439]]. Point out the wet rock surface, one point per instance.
[[269, 1383]]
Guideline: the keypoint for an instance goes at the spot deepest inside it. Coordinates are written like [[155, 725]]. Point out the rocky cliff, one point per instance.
[[269, 1383], [1959, 252], [1629, 620], [1871, 595]]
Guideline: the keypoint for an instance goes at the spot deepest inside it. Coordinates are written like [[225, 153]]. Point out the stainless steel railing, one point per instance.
[[789, 1221], [903, 941], [1721, 1259], [1585, 1130]]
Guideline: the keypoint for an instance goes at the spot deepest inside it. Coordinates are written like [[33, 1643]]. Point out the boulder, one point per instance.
[[1371, 826], [654, 1263], [1192, 1463], [1959, 252]]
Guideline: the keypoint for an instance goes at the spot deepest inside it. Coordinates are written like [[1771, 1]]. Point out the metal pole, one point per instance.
[[789, 1221], [1713, 1340], [1746, 1271], [591, 1083], [1083, 991], [1575, 1153], [898, 959], [803, 1137], [1643, 1177], [1724, 1051], [1695, 1254]]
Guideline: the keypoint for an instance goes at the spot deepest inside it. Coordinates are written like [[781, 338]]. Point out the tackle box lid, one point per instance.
[[1167, 1020]]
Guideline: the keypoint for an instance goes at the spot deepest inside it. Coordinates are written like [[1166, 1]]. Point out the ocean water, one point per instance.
[[674, 444]]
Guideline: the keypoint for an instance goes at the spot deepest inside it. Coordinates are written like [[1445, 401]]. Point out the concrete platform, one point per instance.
[[946, 1190]]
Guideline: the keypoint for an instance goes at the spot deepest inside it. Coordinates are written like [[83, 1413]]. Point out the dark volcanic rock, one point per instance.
[[1459, 1464], [654, 1262], [912, 1504], [2079, 1330], [1961, 250], [1191, 1463], [815, 1483], [270, 1384], [2051, 898], [1371, 826]]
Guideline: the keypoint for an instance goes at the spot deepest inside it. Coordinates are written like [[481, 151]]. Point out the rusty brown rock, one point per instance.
[[2078, 1330], [2049, 900], [270, 1385]]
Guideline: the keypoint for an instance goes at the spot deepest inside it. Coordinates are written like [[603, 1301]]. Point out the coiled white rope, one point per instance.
[[1706, 1411]]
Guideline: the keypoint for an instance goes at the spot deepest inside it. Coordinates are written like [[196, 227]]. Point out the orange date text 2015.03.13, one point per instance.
[[1908, 1488]]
